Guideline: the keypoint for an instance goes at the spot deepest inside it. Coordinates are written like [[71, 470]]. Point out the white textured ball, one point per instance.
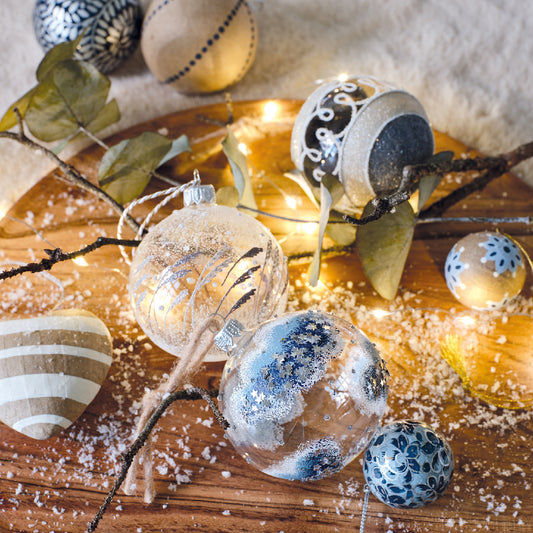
[[199, 46]]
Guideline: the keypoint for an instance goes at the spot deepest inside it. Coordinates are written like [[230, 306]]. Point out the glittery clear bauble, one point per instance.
[[303, 395], [362, 131], [199, 46], [185, 268], [485, 270], [408, 464], [112, 28]]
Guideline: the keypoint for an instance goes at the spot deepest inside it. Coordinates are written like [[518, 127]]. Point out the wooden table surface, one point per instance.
[[202, 483]]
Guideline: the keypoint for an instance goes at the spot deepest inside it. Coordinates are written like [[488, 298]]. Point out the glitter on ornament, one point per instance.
[[408, 465], [202, 260], [363, 132], [485, 270], [303, 394], [111, 28]]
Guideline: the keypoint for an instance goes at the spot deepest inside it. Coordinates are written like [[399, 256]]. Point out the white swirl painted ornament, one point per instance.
[[485, 270], [199, 46], [362, 131], [202, 260], [303, 394], [51, 368]]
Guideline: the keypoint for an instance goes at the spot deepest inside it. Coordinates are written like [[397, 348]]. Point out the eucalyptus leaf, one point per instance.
[[178, 146], [239, 169], [429, 183], [10, 118], [71, 95], [326, 202], [57, 54], [334, 186], [383, 246], [343, 234], [228, 196], [127, 167], [109, 114], [313, 193]]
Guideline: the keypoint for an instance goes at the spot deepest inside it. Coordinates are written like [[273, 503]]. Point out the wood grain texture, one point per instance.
[[58, 485]]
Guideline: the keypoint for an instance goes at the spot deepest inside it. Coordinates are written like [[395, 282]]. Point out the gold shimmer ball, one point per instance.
[[485, 270], [199, 46]]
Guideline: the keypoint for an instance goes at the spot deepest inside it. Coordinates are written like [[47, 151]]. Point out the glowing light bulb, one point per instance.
[[290, 201], [307, 227], [80, 261], [270, 110], [467, 320], [244, 149], [380, 313], [342, 77]]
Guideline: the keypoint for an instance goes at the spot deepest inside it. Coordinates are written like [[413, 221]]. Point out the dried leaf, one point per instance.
[[228, 196], [57, 54], [326, 202], [108, 115], [239, 169], [383, 246], [178, 146], [313, 193], [126, 168], [343, 234], [429, 183], [71, 95], [10, 118]]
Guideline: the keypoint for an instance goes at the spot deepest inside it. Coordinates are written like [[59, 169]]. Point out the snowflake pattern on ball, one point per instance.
[[408, 465], [453, 269], [503, 252]]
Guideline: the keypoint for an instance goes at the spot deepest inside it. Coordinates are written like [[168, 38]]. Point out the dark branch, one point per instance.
[[57, 255], [69, 173], [193, 393]]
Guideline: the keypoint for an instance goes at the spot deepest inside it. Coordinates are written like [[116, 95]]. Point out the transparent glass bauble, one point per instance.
[[303, 395], [205, 259]]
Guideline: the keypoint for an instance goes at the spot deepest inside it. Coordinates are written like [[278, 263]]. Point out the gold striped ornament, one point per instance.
[[51, 368]]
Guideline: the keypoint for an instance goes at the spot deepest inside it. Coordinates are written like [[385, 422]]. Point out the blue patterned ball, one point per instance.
[[303, 395], [408, 464], [112, 28]]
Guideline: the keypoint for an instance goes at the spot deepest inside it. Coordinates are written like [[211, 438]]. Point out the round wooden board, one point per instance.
[[202, 483]]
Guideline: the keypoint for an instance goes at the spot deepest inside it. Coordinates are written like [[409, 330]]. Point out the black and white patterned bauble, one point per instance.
[[363, 132], [112, 28]]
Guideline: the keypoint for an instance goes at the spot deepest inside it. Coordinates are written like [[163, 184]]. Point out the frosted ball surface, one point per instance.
[[485, 270], [303, 395], [408, 464], [194, 263], [199, 46], [363, 132]]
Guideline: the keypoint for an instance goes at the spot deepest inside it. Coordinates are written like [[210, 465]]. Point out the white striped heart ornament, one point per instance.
[[51, 368]]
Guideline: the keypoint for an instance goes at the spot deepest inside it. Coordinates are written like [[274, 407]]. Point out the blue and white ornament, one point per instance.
[[408, 464], [362, 131], [485, 270], [303, 395], [112, 28]]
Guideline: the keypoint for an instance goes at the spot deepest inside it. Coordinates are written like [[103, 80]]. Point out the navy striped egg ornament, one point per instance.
[[199, 46], [361, 131], [51, 368], [111, 28]]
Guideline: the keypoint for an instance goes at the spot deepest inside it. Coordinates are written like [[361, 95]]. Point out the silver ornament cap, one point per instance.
[[226, 338], [199, 194]]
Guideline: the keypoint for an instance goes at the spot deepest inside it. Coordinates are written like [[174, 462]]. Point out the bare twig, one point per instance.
[[192, 393], [57, 255], [69, 173]]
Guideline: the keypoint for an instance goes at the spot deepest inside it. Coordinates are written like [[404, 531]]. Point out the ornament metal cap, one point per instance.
[[199, 194], [225, 338]]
